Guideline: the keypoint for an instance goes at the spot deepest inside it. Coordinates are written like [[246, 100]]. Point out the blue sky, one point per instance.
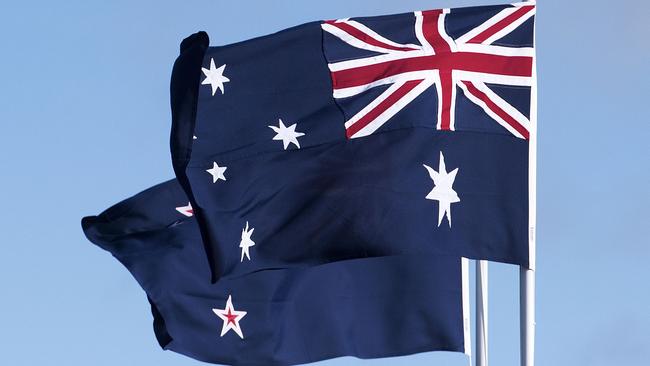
[[84, 110]]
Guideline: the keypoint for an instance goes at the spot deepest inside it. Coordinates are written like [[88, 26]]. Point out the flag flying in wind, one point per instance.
[[360, 137], [370, 307]]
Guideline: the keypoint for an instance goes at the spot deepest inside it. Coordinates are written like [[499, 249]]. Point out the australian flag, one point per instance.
[[365, 307], [354, 138]]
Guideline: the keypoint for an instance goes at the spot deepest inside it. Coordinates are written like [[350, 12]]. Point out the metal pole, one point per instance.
[[467, 337], [527, 315], [527, 275], [481, 313]]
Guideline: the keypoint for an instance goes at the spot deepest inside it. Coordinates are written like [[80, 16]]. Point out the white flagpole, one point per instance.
[[527, 275], [481, 313]]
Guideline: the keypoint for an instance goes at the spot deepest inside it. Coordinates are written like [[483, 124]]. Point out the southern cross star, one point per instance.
[[217, 172], [246, 242], [442, 190], [214, 77], [231, 318], [288, 135]]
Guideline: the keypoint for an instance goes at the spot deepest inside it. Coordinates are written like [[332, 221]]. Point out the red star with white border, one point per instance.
[[231, 318]]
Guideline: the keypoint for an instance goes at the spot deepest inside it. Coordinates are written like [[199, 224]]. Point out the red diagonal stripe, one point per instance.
[[479, 38], [382, 107], [467, 61], [496, 109], [366, 38]]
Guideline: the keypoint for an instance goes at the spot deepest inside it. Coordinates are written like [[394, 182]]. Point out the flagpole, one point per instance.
[[481, 313], [527, 275], [527, 315]]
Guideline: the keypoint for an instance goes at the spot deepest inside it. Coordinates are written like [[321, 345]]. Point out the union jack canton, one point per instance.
[[490, 59]]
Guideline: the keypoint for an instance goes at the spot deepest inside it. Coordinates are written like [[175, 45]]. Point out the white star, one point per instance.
[[442, 190], [214, 77], [288, 135], [186, 210], [231, 318], [246, 242], [217, 172]]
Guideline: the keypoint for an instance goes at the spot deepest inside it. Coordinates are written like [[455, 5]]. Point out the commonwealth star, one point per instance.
[[442, 190]]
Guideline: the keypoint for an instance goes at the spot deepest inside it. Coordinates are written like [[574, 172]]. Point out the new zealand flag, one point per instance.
[[367, 307], [396, 135]]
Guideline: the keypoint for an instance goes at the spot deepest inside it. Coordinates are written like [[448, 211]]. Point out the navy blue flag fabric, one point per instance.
[[360, 137], [368, 307]]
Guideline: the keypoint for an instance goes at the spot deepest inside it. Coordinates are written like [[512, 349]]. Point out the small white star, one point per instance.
[[214, 76], [231, 318], [217, 172], [442, 190], [288, 135], [186, 210], [246, 242]]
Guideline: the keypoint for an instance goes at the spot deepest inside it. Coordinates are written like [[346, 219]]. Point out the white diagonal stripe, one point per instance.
[[393, 109], [405, 76], [355, 42], [388, 92], [485, 25], [366, 61], [507, 107], [489, 111], [377, 36], [510, 27]]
